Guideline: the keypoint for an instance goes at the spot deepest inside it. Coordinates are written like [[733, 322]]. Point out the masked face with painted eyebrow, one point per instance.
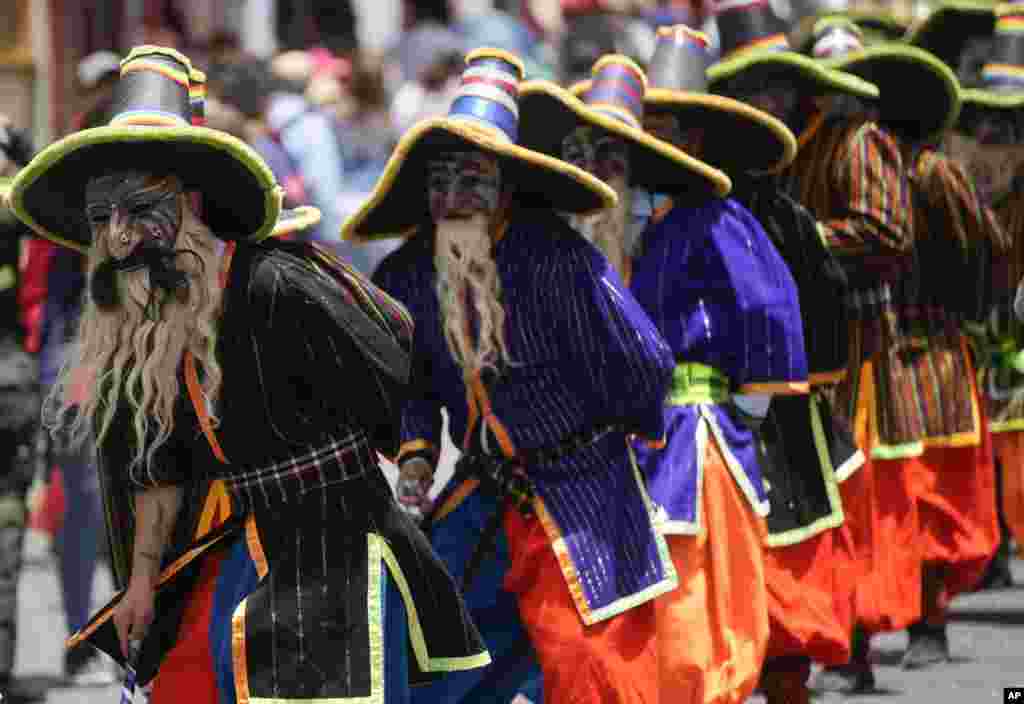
[[464, 192], [605, 156], [153, 296]]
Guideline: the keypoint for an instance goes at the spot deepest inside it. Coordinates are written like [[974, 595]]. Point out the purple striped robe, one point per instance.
[[584, 356]]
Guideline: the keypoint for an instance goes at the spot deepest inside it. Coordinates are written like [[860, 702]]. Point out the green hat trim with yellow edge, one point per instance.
[[677, 84], [484, 116], [919, 96], [753, 39], [157, 124], [947, 29], [615, 103]]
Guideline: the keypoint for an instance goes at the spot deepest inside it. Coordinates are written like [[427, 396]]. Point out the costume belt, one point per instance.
[[507, 480], [342, 459], [693, 383]]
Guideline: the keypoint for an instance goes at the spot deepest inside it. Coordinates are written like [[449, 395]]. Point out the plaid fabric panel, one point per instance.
[[341, 459]]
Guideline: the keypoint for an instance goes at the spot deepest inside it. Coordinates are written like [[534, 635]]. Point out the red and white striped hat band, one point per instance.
[[489, 93], [746, 25]]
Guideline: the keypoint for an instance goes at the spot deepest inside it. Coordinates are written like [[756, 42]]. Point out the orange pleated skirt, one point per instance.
[[611, 662], [956, 498], [882, 524], [810, 598], [1008, 449], [713, 629]]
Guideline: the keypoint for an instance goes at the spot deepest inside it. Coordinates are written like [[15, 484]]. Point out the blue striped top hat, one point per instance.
[[677, 85], [484, 116], [158, 116], [614, 103], [919, 96], [753, 40]]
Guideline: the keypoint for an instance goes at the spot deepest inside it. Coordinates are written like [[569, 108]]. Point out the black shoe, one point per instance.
[[14, 691], [854, 678], [998, 575], [929, 645]]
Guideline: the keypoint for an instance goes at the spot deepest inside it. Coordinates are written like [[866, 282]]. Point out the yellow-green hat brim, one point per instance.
[[992, 100], [768, 145], [915, 87], [295, 220], [48, 194], [810, 75], [547, 114], [398, 204]]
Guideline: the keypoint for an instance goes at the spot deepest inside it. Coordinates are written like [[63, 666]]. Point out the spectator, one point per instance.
[[238, 95], [20, 409], [97, 74], [430, 57]]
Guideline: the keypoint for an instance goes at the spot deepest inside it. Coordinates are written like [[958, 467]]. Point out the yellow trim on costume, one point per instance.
[[759, 506], [301, 218], [620, 60], [561, 549], [696, 383], [836, 517], [151, 119], [150, 49], [419, 643]]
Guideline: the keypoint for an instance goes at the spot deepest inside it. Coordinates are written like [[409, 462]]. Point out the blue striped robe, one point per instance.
[[585, 355]]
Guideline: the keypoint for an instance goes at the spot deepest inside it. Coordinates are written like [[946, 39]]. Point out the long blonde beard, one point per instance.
[[465, 265], [609, 230], [123, 360]]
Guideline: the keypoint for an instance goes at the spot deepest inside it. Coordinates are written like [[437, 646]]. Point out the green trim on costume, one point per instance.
[[670, 157], [696, 383], [50, 158], [759, 506], [898, 452], [836, 516], [419, 643], [1006, 426], [825, 79], [666, 585]]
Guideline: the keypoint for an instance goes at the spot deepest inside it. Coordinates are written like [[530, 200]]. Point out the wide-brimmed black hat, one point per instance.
[[918, 94], [677, 84], [753, 39], [947, 28], [484, 116], [615, 103], [1000, 85], [156, 125]]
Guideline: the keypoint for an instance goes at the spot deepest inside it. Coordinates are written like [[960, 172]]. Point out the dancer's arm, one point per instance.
[[155, 512]]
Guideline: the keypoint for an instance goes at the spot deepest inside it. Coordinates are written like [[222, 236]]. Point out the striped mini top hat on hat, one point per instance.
[[919, 96], [484, 116], [613, 101], [677, 84], [753, 38], [158, 120], [1004, 70]]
